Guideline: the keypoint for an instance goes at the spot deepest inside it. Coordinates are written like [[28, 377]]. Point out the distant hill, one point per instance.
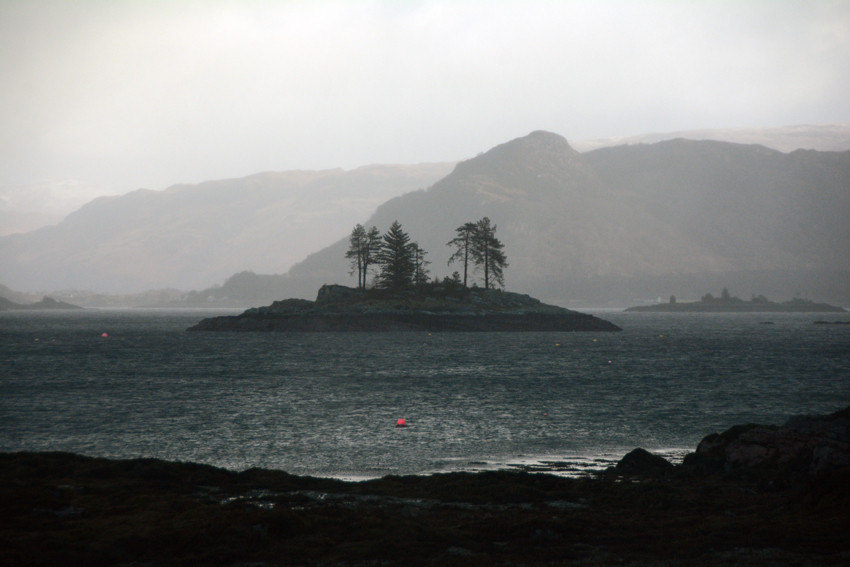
[[190, 236], [631, 222], [821, 137], [614, 226], [24, 208], [46, 304]]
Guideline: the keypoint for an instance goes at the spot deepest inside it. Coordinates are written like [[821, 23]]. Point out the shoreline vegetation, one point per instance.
[[753, 495], [431, 307], [728, 303], [402, 298]]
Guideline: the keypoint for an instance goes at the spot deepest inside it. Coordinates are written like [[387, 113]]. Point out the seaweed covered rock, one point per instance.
[[642, 463], [804, 447], [66, 509]]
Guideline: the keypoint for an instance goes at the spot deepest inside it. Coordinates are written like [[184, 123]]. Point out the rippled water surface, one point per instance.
[[327, 404]]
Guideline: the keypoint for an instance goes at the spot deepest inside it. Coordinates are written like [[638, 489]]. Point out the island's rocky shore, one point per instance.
[[340, 308], [751, 496]]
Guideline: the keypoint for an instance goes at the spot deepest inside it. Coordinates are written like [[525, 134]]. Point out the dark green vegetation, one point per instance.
[[400, 264], [727, 303], [446, 306], [476, 244], [65, 509]]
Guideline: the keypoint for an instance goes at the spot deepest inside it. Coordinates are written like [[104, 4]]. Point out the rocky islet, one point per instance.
[[438, 308]]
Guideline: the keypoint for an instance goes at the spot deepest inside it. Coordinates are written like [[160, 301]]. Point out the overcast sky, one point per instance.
[[129, 94]]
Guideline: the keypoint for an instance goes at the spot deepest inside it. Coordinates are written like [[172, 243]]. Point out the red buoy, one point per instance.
[[401, 423], [104, 335]]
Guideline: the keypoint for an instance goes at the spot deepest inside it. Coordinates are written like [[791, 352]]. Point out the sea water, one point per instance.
[[131, 383]]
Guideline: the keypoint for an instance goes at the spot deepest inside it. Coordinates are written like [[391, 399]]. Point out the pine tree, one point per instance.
[[396, 259], [363, 248], [487, 251], [420, 273], [371, 250], [355, 252], [463, 244]]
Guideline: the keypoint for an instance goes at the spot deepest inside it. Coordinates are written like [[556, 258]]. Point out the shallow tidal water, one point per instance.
[[327, 404]]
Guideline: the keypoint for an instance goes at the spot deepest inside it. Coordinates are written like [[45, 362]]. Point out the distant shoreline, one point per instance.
[[735, 305], [48, 303]]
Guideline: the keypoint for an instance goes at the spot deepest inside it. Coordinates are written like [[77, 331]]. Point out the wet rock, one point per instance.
[[65, 509], [804, 447], [641, 462], [334, 293]]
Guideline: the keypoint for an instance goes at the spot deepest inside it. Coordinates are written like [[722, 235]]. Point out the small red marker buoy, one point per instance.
[[401, 423], [104, 335]]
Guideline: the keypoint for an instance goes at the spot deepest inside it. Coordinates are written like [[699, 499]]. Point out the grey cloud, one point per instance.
[[132, 94]]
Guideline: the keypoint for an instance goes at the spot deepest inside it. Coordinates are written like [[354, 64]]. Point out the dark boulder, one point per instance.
[[804, 447], [641, 462], [333, 293]]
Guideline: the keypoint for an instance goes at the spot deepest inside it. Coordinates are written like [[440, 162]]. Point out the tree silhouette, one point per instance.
[[363, 248], [396, 259], [487, 251], [420, 273], [463, 244]]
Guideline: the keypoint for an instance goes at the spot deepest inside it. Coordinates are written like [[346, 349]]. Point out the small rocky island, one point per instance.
[[727, 303], [46, 304], [437, 308]]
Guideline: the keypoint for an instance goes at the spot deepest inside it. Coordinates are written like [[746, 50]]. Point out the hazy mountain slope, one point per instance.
[[189, 236], [821, 137], [754, 208], [612, 225], [27, 208], [24, 208], [623, 219], [19, 222]]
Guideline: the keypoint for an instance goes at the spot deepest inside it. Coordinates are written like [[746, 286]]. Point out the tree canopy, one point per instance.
[[476, 243], [400, 263], [364, 246], [396, 259], [463, 246], [487, 250]]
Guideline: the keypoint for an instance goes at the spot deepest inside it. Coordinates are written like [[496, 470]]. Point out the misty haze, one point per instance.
[[608, 227], [425, 283]]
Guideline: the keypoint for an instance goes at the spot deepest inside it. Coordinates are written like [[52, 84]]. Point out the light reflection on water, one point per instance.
[[326, 404]]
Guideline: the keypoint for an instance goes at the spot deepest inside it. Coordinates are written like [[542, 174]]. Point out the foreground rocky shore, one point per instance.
[[753, 495], [340, 308]]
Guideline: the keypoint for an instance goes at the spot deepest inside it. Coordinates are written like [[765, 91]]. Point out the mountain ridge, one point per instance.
[[821, 137], [613, 224], [614, 213], [187, 236]]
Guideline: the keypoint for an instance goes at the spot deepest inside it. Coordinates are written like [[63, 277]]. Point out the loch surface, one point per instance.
[[326, 404]]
